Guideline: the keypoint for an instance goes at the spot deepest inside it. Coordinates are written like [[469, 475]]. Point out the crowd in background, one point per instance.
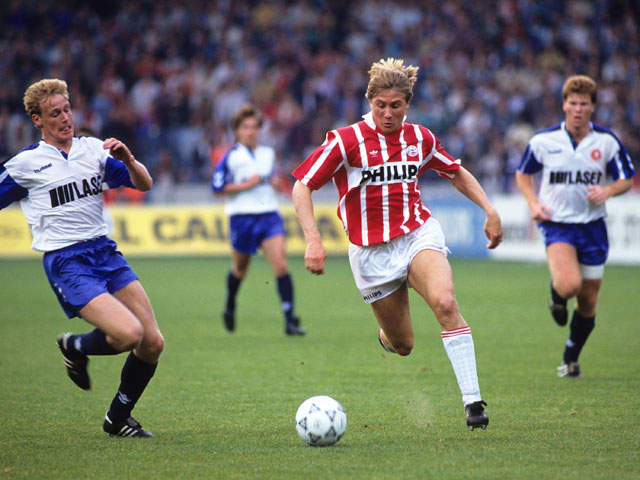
[[165, 76]]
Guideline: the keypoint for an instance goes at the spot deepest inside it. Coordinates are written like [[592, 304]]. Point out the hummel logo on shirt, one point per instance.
[[44, 167]]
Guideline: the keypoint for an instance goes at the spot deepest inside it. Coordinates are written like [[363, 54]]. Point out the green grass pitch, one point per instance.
[[222, 405]]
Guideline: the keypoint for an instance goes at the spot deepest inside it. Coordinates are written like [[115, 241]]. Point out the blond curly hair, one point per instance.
[[38, 92], [392, 74]]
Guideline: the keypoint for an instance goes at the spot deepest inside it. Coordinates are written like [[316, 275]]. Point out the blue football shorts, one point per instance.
[[590, 240], [80, 272], [247, 232]]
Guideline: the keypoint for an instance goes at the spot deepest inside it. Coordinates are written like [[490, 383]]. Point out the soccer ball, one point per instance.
[[320, 421]]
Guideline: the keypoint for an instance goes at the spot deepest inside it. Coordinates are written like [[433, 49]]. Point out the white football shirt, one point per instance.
[[238, 164], [61, 195], [568, 170]]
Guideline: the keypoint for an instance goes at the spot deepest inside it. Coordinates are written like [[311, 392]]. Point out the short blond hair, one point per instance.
[[392, 74], [582, 85], [38, 92]]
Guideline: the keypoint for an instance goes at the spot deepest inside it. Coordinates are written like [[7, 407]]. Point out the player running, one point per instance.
[[59, 183], [394, 241], [582, 165], [245, 177]]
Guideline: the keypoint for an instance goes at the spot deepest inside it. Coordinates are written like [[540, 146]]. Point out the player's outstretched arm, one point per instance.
[[315, 253], [137, 171], [467, 184]]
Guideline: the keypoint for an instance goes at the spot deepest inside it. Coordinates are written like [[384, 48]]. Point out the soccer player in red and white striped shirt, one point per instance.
[[394, 241]]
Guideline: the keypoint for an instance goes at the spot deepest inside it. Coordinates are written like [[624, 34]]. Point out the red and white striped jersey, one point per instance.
[[377, 177]]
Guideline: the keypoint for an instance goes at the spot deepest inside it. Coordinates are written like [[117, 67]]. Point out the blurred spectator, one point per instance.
[[173, 72], [164, 179]]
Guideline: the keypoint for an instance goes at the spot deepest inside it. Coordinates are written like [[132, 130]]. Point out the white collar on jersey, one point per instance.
[[368, 119]]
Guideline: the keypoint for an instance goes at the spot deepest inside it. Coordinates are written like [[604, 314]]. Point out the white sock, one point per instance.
[[458, 344]]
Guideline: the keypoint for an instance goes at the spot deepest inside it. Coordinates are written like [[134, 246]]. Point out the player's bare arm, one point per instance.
[[598, 195], [237, 187], [539, 211], [315, 253], [467, 184], [139, 174]]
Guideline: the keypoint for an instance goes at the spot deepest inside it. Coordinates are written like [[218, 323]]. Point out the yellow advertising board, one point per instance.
[[176, 230], [15, 238]]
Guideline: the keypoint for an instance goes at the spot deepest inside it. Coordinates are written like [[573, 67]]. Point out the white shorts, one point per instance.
[[380, 269]]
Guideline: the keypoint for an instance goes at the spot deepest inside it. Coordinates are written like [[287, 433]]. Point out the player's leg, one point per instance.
[[583, 321], [394, 318], [592, 248], [116, 331], [239, 263], [79, 275], [244, 244], [565, 272], [140, 365], [135, 299], [431, 276], [582, 324], [274, 251], [566, 279], [239, 267], [122, 330], [587, 298]]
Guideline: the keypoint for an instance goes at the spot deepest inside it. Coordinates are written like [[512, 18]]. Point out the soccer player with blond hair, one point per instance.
[[375, 165], [58, 183]]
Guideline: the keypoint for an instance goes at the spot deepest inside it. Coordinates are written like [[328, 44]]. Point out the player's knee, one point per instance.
[[131, 336], [156, 344], [403, 347], [445, 306], [568, 289], [151, 346], [403, 350], [280, 270]]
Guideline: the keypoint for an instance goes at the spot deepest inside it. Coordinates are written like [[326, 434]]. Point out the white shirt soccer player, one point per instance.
[[59, 183], [375, 165], [245, 177], [581, 165]]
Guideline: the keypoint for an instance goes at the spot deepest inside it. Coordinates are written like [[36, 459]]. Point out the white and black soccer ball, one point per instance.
[[321, 421]]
